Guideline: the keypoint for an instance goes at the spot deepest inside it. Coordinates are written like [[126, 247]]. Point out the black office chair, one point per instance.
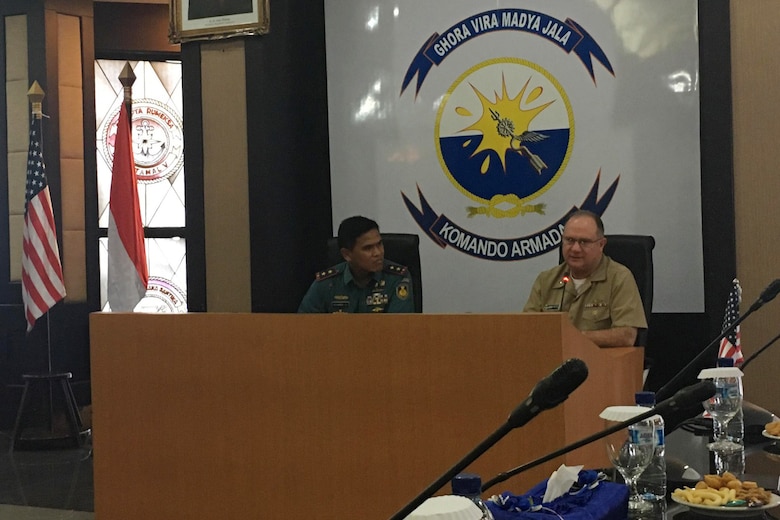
[[636, 253], [401, 248]]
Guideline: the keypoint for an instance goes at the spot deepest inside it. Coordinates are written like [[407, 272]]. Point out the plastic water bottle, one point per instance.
[[651, 484], [469, 485], [732, 460]]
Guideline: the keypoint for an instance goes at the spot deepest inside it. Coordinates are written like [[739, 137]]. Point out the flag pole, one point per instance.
[[36, 94], [127, 267]]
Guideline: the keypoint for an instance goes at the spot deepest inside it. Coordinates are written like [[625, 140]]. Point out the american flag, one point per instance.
[[730, 346], [42, 282]]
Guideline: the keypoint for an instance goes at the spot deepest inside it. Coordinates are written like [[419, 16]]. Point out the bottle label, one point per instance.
[[732, 391], [640, 436], [659, 436]]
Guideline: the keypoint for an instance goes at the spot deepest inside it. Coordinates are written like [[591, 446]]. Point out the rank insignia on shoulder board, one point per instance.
[[327, 273], [396, 269]]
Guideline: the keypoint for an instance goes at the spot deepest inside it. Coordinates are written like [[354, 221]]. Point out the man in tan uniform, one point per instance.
[[599, 294]]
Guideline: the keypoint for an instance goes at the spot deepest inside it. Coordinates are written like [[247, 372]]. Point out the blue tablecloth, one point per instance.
[[591, 498]]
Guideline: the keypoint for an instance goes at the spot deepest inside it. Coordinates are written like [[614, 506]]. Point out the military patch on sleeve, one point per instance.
[[327, 273], [402, 291], [400, 270]]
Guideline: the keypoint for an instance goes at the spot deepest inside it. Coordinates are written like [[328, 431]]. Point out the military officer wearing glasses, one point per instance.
[[599, 294], [364, 281]]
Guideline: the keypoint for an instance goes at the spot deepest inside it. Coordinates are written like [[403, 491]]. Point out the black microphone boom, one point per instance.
[[759, 351], [683, 399], [767, 295], [549, 392]]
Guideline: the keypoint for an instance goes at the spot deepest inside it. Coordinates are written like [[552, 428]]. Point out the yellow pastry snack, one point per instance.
[[773, 428], [724, 490]]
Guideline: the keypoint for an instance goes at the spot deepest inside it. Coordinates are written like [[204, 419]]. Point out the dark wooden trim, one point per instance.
[[193, 164], [51, 108], [717, 158], [288, 156], [72, 7], [5, 261], [103, 54], [92, 249], [132, 27], [14, 7]]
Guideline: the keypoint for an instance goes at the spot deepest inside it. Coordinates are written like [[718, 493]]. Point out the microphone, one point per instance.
[[767, 295], [682, 400], [549, 392], [564, 281]]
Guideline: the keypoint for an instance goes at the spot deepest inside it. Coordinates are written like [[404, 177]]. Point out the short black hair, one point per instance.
[[587, 213], [351, 228]]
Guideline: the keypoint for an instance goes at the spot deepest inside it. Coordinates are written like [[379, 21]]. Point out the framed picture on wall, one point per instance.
[[215, 19]]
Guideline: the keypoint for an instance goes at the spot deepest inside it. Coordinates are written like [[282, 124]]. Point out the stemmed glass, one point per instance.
[[630, 450], [722, 407]]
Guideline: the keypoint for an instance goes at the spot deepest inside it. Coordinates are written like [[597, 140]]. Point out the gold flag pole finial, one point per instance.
[[36, 95]]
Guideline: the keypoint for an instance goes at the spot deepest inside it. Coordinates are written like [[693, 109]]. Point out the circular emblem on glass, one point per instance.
[[158, 142], [162, 296], [504, 132]]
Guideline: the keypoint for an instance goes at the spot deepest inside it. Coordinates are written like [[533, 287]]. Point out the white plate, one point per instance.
[[732, 512], [770, 436]]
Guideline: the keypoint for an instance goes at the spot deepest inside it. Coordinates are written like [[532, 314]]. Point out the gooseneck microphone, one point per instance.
[[549, 392], [682, 400], [564, 281], [767, 295]]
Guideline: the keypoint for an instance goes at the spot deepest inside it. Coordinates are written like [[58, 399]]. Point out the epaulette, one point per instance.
[[397, 269], [330, 272]]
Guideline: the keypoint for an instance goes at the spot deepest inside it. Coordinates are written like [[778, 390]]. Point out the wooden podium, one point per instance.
[[328, 416]]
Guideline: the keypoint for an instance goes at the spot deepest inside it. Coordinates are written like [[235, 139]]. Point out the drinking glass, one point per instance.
[[630, 451], [722, 407]]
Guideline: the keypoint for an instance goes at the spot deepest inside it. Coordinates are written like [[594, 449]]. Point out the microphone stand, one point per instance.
[[548, 393], [566, 449], [767, 295], [759, 351], [704, 387], [664, 390], [454, 470]]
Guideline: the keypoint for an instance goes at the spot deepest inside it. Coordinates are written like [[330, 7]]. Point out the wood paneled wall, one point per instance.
[[755, 66]]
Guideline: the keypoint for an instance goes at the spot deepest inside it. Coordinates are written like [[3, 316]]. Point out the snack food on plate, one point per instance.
[[773, 428], [724, 490]]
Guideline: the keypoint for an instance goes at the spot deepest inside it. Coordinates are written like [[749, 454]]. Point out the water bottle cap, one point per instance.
[[725, 362], [645, 399], [466, 484]]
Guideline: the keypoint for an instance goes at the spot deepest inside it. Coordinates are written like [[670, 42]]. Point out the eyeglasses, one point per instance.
[[584, 243]]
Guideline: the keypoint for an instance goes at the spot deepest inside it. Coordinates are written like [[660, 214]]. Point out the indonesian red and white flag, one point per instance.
[[42, 281], [128, 274], [731, 345]]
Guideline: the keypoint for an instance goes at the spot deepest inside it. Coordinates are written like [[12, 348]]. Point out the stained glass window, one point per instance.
[[158, 150]]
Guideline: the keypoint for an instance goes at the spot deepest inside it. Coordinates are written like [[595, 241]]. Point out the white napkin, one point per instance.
[[560, 482]]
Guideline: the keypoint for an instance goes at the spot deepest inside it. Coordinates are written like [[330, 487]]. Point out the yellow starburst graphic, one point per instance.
[[504, 121]]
